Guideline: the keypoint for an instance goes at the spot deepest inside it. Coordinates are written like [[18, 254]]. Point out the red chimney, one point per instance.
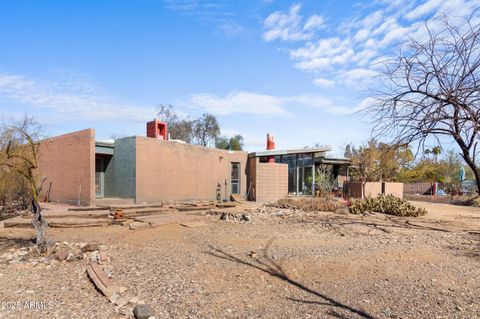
[[157, 129], [270, 146]]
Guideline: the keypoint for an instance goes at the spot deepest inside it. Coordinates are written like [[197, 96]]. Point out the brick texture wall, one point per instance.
[[175, 171], [271, 181], [68, 162]]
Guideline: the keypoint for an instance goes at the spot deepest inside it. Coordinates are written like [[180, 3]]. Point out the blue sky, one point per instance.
[[299, 70]]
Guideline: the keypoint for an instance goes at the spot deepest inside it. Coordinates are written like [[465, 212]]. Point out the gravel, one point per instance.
[[280, 263]]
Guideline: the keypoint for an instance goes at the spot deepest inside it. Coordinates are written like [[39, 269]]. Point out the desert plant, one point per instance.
[[387, 204], [324, 179]]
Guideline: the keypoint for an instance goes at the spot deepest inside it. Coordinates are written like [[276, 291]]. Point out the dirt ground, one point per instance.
[[281, 264]]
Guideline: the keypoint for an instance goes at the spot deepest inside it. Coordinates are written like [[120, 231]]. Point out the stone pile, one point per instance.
[[55, 253]]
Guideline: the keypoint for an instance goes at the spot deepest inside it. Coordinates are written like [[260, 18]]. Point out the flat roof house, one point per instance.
[[82, 171]]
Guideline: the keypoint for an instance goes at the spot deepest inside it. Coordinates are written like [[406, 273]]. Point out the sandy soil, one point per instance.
[[282, 264]]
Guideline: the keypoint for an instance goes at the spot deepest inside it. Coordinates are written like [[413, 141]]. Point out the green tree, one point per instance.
[[436, 151], [235, 143]]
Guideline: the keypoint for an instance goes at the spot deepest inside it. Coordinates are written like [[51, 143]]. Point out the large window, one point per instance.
[[235, 180]]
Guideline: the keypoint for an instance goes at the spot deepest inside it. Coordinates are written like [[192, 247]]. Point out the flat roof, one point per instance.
[[334, 160], [310, 150]]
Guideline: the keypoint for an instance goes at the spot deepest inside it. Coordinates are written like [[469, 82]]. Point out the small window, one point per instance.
[[235, 180]]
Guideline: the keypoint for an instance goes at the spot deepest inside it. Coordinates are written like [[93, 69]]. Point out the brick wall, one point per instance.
[[271, 181], [68, 162], [174, 171]]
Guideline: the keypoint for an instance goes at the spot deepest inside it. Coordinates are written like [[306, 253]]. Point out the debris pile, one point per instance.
[[232, 216], [55, 253]]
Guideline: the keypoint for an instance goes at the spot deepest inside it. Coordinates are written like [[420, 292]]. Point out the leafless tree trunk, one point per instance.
[[432, 90], [21, 155]]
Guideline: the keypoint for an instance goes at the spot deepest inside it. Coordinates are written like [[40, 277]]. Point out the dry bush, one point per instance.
[[310, 204], [473, 201], [387, 204]]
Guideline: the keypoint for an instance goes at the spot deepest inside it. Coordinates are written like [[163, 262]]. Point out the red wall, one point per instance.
[[68, 162]]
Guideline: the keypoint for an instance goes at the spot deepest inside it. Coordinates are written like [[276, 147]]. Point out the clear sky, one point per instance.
[[298, 70]]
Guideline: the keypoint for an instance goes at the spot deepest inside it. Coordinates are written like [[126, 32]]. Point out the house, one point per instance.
[[80, 170]]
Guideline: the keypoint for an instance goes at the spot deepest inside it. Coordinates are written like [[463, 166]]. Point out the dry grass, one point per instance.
[[323, 204], [473, 201]]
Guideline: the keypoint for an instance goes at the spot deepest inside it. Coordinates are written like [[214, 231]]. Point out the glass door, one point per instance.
[[235, 178]]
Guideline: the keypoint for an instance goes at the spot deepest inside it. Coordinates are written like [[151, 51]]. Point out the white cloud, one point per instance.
[[288, 26], [423, 9], [314, 22], [358, 78], [363, 40], [324, 83], [215, 13], [238, 102], [71, 95], [242, 102]]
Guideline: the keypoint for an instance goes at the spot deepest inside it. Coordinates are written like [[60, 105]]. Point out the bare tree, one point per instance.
[[432, 90], [19, 153], [178, 128]]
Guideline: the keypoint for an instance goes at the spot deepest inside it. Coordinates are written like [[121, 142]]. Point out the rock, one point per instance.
[[108, 270], [342, 210], [102, 247], [224, 216], [252, 254], [246, 218], [143, 312], [128, 311], [121, 302], [134, 300], [61, 255], [94, 256], [103, 258], [48, 259], [138, 225], [89, 247]]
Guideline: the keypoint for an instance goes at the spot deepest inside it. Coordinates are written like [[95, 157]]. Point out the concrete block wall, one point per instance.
[[174, 171], [68, 162], [396, 189], [271, 181], [122, 183]]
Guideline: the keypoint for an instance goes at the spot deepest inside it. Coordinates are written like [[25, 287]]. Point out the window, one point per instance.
[[235, 180]]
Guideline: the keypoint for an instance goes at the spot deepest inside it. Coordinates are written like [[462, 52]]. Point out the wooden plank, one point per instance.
[[101, 280], [192, 208]]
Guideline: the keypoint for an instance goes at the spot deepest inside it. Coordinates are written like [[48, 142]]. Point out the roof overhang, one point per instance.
[[312, 150], [105, 148]]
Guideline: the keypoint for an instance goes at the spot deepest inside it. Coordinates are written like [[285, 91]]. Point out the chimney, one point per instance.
[[157, 129], [270, 146]]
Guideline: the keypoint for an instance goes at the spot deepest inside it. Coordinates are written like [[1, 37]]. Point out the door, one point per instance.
[[99, 176], [235, 178]]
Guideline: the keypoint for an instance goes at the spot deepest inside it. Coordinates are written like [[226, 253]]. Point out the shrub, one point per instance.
[[323, 204], [387, 204]]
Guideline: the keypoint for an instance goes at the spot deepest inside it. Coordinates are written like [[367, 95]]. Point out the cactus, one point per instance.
[[386, 204]]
